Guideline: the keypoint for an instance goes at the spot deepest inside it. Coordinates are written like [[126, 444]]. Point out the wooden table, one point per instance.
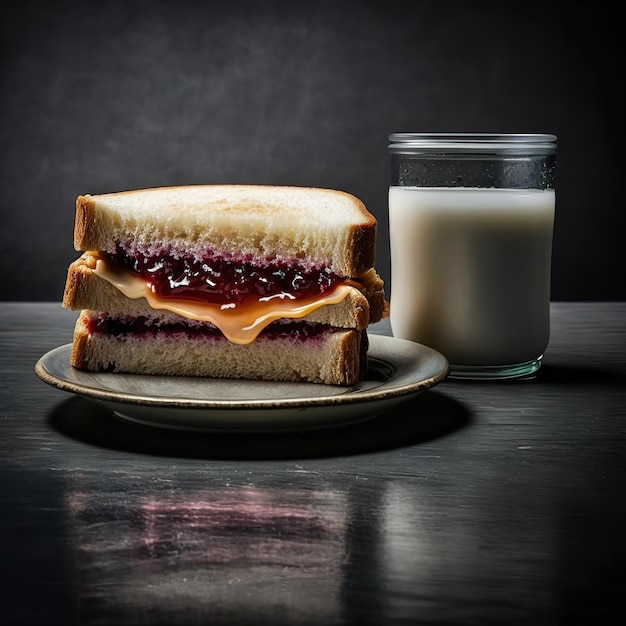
[[480, 503]]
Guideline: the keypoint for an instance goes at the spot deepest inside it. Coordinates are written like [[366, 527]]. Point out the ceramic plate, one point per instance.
[[398, 370]]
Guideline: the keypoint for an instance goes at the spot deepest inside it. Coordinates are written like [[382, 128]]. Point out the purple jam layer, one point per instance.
[[142, 326], [220, 281]]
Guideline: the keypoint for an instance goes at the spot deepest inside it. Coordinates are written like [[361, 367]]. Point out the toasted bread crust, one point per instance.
[[85, 209], [79, 352], [337, 359], [86, 290]]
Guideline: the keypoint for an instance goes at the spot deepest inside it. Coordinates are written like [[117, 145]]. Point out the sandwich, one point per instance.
[[228, 281]]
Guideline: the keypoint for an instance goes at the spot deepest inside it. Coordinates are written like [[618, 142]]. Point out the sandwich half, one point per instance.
[[228, 281]]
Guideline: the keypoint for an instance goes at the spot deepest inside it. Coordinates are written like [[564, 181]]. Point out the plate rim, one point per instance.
[[352, 395]]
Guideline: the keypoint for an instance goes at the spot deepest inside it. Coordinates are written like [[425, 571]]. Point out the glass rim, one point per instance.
[[518, 143]]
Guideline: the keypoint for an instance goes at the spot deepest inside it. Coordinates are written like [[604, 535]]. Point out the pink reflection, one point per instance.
[[209, 552], [243, 524]]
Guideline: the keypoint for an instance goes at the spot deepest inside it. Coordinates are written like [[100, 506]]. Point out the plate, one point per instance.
[[398, 370]]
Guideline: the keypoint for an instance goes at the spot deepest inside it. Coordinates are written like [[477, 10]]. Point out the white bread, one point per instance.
[[336, 358], [323, 227], [85, 290]]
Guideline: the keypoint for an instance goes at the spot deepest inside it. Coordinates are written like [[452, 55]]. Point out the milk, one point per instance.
[[470, 271]]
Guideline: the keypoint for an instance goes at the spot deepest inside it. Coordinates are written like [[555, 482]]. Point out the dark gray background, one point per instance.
[[105, 96]]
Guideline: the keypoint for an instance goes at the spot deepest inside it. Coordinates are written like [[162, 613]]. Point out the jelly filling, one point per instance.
[[217, 280], [297, 330]]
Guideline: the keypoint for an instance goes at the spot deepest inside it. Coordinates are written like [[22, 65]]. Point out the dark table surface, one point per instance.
[[477, 503]]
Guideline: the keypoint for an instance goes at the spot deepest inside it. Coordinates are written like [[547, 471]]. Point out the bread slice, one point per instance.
[[323, 227], [335, 357]]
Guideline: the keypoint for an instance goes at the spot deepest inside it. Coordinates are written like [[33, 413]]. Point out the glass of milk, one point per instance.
[[471, 219]]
